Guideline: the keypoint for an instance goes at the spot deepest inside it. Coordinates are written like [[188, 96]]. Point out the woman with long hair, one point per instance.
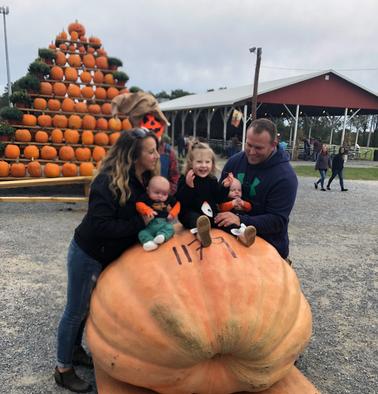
[[109, 227], [323, 162], [338, 169]]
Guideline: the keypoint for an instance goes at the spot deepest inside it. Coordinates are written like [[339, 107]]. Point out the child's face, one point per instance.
[[235, 189], [158, 192], [202, 162]]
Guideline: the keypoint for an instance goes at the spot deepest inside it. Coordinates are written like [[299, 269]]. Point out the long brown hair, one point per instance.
[[195, 147], [119, 161]]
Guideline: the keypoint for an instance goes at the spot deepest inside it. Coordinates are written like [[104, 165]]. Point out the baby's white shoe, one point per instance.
[[149, 246], [159, 239]]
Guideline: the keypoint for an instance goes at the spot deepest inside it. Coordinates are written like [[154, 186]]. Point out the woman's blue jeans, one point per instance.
[[83, 272], [322, 178], [341, 178]]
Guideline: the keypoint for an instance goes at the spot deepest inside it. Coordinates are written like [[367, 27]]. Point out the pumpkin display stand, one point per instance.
[[185, 319]]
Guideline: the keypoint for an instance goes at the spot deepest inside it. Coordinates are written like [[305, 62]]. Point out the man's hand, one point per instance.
[[189, 179], [226, 219], [228, 180]]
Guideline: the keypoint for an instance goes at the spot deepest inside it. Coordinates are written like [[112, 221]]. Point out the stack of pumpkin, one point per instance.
[[69, 128]]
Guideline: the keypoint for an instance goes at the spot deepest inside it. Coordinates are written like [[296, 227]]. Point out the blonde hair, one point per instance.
[[119, 161], [195, 147]]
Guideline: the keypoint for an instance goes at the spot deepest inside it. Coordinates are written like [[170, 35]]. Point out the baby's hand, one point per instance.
[[238, 203], [152, 214], [189, 179], [228, 180], [169, 218]]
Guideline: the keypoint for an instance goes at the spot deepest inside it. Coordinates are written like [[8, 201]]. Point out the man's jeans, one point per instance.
[[83, 272]]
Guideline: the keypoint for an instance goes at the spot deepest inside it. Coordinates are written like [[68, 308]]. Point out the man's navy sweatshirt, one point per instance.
[[271, 186]]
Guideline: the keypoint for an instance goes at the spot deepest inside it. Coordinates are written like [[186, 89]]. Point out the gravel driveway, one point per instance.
[[335, 253]]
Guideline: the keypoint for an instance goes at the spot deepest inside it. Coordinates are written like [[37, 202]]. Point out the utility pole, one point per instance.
[[5, 11], [256, 80]]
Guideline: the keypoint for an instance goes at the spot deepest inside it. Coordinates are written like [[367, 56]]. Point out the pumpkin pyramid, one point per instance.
[[68, 127]]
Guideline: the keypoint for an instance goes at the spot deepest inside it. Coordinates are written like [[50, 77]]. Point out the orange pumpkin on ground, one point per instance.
[[74, 122], [31, 152], [4, 169], [59, 89], [53, 105], [44, 120], [114, 137], [86, 169], [52, 170], [40, 103], [29, 120], [12, 151], [98, 153], [48, 152], [115, 124], [83, 154], [101, 124], [56, 73], [69, 169], [98, 76], [184, 321], [45, 88], [101, 139], [57, 136], [23, 135], [89, 122], [71, 136], [66, 153], [60, 121], [18, 170], [41, 136], [68, 105], [34, 168], [87, 137]]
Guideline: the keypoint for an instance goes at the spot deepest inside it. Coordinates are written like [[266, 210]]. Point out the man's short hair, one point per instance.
[[263, 124]]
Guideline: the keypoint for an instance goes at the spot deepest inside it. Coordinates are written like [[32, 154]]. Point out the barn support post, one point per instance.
[[244, 125], [209, 117], [195, 115]]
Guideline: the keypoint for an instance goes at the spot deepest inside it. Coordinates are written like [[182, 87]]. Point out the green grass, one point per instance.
[[365, 174]]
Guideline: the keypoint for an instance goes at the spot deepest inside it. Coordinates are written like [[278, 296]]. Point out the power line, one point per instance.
[[320, 69]]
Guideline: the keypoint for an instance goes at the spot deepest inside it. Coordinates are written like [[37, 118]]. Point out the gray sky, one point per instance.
[[200, 44]]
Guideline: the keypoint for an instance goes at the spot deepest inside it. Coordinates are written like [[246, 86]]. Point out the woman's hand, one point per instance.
[[189, 179], [227, 182], [226, 219]]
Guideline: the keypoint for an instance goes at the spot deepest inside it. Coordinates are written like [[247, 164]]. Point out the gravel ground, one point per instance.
[[333, 246]]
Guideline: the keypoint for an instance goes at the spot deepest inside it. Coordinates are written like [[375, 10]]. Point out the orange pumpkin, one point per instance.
[[71, 136], [114, 137], [41, 136], [60, 121], [40, 103], [98, 153], [83, 154], [115, 124], [86, 169], [126, 124], [74, 122], [106, 109], [73, 90], [101, 52], [34, 168], [98, 76], [95, 40], [4, 169], [87, 92], [87, 137], [89, 122], [81, 49], [44, 120], [52, 170], [53, 105], [112, 92], [68, 105], [101, 124], [31, 152], [18, 170], [109, 79], [91, 50], [72, 48], [81, 107], [66, 153], [94, 109], [23, 135], [59, 89], [63, 47], [185, 322], [48, 152], [86, 77], [83, 38], [76, 27], [100, 93], [63, 35], [69, 169], [45, 88], [52, 45], [70, 74], [29, 120], [74, 36], [102, 62], [101, 139], [56, 73], [60, 58], [74, 60], [57, 136], [89, 60]]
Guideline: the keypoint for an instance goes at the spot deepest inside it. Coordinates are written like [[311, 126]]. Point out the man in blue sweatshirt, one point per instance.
[[268, 181]]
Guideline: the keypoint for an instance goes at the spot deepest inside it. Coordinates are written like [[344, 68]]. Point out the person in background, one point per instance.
[[110, 226], [338, 169], [323, 162]]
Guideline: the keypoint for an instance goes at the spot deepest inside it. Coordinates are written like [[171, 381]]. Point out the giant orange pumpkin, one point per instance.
[[76, 26], [222, 319]]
